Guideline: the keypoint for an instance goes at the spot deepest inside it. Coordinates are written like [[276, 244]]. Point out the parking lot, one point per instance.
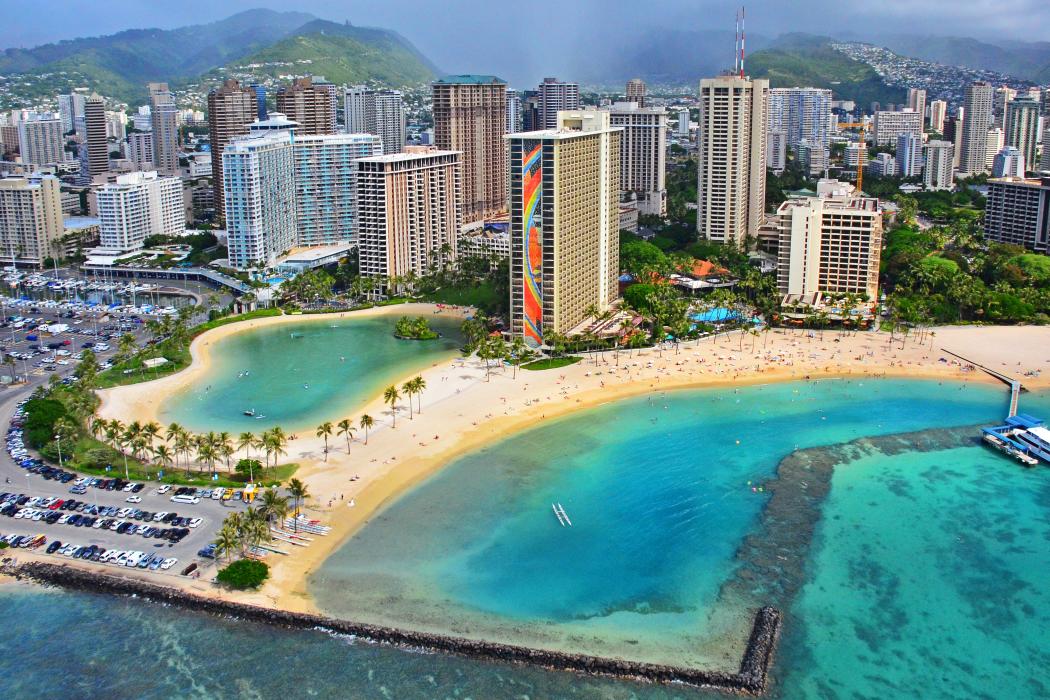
[[37, 362]]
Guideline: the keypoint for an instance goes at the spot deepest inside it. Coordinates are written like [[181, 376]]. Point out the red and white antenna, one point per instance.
[[736, 43], [742, 37]]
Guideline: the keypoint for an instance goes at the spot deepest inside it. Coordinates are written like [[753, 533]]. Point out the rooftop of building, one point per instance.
[[470, 79], [635, 107], [309, 254], [79, 222], [275, 121], [1025, 181], [407, 155]]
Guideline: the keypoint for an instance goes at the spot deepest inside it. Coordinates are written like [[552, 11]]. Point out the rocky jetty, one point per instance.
[[751, 679]]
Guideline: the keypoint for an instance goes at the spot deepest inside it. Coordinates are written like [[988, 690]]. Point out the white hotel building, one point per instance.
[[325, 193], [258, 179], [138, 205], [317, 173]]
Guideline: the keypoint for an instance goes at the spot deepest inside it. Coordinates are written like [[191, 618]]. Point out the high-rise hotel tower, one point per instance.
[[564, 222]]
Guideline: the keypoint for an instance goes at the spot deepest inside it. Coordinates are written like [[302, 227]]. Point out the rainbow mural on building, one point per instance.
[[532, 189]]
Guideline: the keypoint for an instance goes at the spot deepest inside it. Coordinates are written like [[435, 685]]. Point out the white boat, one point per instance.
[[563, 517]]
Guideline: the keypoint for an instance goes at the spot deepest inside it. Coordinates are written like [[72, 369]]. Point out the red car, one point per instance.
[[56, 505]]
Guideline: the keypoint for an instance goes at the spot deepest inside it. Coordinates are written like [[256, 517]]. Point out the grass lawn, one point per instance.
[[226, 320], [481, 296], [551, 363]]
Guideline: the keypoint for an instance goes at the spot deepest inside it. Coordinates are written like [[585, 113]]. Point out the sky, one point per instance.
[[540, 35]]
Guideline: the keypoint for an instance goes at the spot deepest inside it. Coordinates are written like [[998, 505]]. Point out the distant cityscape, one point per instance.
[[283, 165]]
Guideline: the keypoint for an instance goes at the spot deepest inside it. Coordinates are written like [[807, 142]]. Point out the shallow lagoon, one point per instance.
[[662, 490], [301, 374]]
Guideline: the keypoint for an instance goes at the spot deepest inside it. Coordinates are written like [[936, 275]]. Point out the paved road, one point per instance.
[[15, 479]]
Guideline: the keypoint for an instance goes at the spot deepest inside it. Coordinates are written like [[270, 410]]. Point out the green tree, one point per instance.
[[391, 396], [325, 430], [346, 429], [366, 424]]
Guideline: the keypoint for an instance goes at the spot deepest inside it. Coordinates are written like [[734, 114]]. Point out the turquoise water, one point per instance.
[[661, 490], [300, 374], [928, 578], [926, 575], [87, 646]]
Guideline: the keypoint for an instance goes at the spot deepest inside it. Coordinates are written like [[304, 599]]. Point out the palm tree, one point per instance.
[[298, 491], [151, 431], [274, 442], [225, 448], [273, 506], [246, 441], [324, 430], [98, 426], [366, 423], [418, 385], [346, 428], [408, 390], [131, 434], [184, 444], [227, 541], [391, 397], [254, 527], [126, 346], [206, 451], [162, 455]]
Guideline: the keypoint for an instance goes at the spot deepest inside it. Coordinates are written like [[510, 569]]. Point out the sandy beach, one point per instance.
[[462, 409]]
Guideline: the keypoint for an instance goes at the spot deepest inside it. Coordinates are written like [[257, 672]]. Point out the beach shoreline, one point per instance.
[[145, 399], [463, 410]]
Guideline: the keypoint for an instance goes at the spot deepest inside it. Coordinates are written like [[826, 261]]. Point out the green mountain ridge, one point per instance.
[[342, 53], [120, 65], [806, 60]]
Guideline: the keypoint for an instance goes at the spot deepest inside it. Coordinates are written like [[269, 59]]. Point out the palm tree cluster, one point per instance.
[[310, 287], [494, 347], [148, 442], [241, 533], [391, 395]]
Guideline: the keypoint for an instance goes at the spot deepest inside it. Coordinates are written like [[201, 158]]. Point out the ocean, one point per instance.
[[905, 568]]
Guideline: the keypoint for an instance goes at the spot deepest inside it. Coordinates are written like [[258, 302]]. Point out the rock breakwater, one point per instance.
[[751, 679]]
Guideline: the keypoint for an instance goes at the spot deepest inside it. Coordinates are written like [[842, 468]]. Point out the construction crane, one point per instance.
[[863, 126]]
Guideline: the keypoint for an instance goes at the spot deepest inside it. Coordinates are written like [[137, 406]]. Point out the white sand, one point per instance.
[[462, 411]]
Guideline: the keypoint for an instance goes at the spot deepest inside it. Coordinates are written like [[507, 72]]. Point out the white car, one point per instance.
[[122, 559], [194, 522], [64, 519], [217, 493], [133, 499], [123, 512], [62, 362], [160, 516], [184, 499], [128, 487], [168, 563], [164, 489]]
